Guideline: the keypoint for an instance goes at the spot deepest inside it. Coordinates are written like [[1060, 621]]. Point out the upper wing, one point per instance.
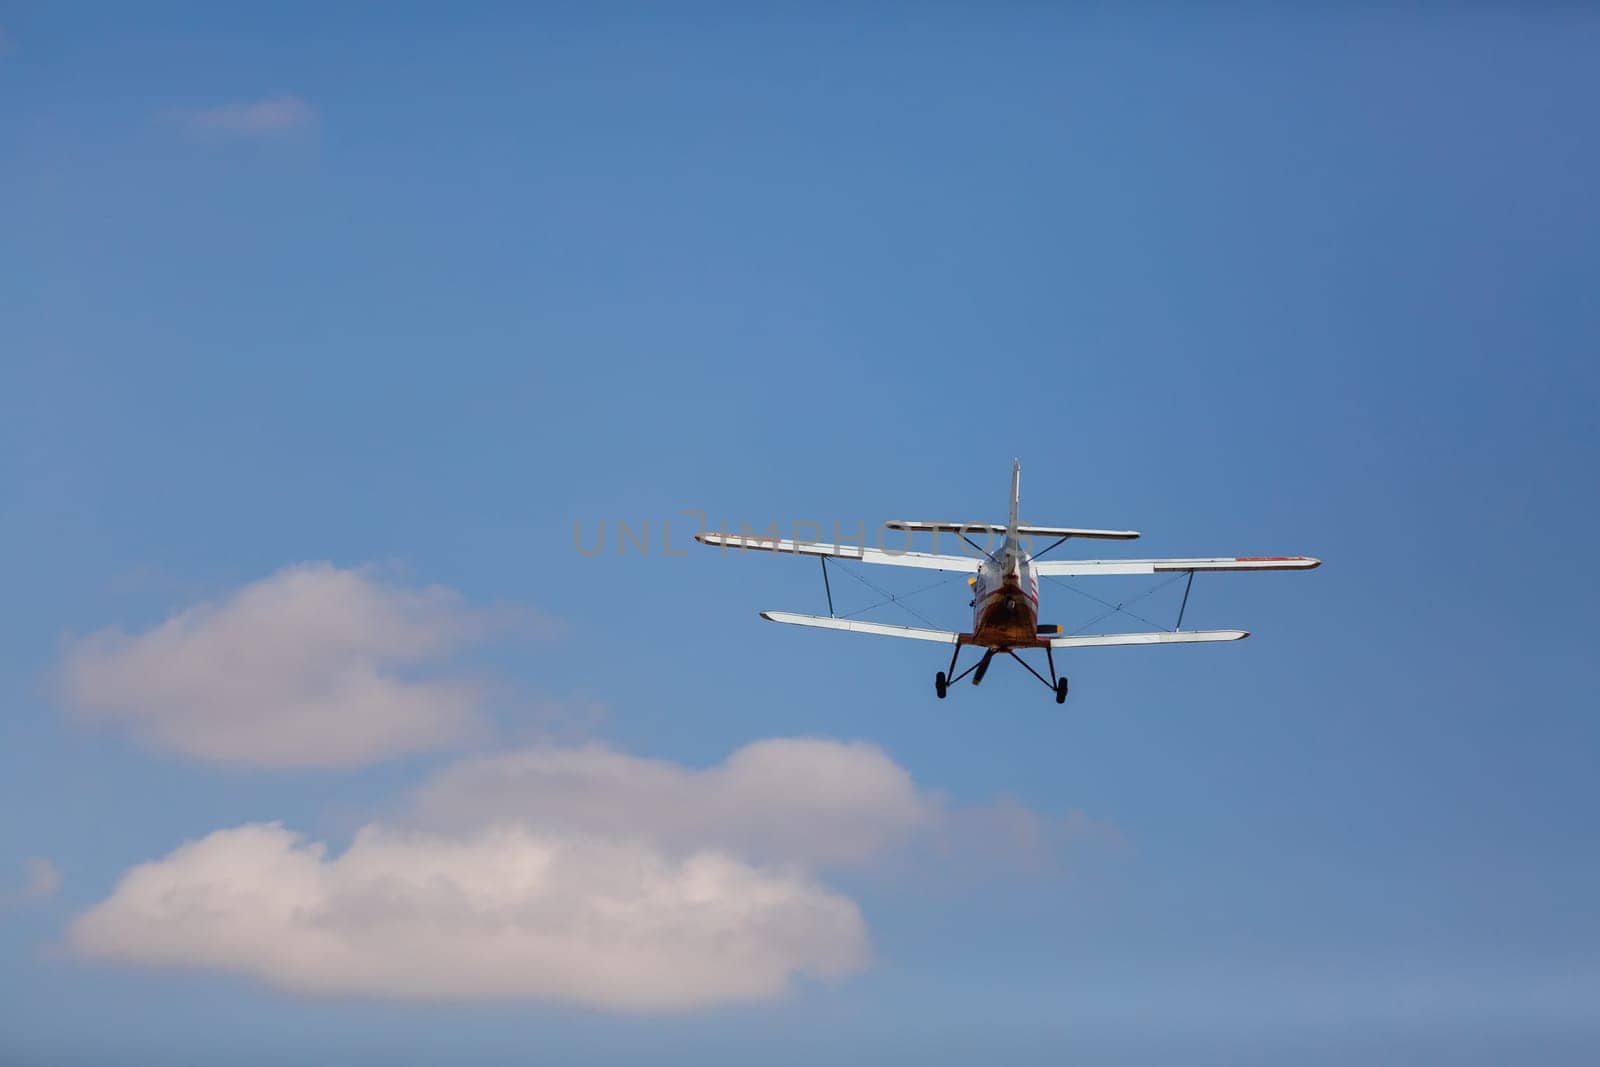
[[1164, 637], [1025, 531], [851, 552], [883, 629], [1159, 566]]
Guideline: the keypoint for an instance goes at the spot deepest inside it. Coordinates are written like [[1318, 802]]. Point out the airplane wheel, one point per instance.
[[940, 685], [1061, 690]]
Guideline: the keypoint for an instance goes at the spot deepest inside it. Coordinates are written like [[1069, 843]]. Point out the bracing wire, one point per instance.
[[890, 598], [1115, 608]]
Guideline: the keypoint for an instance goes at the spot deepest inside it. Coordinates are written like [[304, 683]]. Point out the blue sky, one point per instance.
[[411, 295]]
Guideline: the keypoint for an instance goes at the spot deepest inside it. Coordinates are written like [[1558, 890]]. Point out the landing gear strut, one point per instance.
[[1061, 680], [946, 678]]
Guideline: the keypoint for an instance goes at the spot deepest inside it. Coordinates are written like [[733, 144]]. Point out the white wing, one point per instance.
[[949, 637], [1165, 637], [882, 629], [855, 553], [1159, 566]]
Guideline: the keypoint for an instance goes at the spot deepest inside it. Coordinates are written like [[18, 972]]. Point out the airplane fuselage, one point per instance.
[[1005, 600]]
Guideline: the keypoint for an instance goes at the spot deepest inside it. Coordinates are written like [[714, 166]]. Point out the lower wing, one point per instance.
[[1163, 637], [949, 637]]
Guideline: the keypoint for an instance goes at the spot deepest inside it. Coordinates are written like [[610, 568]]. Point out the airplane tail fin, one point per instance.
[[1016, 498]]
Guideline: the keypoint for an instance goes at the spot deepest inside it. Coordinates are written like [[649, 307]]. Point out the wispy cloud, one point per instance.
[[41, 881], [314, 666], [272, 116], [43, 877]]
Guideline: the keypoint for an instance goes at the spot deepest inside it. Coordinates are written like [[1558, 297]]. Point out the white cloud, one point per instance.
[[800, 800], [311, 667], [580, 874], [268, 117], [503, 913], [819, 802], [571, 874], [43, 877]]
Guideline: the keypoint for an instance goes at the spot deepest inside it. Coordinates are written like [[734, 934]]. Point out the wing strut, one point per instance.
[[1053, 544], [829, 589], [1187, 586], [979, 547]]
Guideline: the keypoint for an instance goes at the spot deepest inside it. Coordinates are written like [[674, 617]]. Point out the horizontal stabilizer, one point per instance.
[[1064, 567], [882, 629], [1164, 637], [1023, 531], [847, 551], [1072, 531]]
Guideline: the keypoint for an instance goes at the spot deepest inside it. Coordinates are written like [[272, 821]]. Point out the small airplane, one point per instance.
[[1005, 588]]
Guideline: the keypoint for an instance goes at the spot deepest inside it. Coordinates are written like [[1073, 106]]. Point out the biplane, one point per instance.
[[1004, 580]]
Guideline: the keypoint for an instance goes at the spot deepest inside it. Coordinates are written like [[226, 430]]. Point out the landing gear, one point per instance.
[[946, 678]]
